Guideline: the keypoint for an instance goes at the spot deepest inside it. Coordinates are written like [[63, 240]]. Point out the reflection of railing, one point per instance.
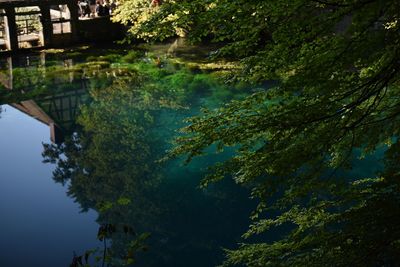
[[61, 20], [61, 26]]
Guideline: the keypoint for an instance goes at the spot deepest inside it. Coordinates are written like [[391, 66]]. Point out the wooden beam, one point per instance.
[[24, 3]]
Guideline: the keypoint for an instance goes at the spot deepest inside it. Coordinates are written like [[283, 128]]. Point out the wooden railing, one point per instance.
[[27, 26]]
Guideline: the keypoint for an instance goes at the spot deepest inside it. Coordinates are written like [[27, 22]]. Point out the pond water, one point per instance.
[[81, 134]]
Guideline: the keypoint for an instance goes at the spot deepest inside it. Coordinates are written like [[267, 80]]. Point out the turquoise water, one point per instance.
[[82, 133]]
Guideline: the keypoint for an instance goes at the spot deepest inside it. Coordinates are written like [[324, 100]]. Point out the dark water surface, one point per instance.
[[81, 133]]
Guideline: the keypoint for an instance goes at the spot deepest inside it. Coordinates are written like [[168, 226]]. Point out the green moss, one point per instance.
[[133, 56], [110, 58]]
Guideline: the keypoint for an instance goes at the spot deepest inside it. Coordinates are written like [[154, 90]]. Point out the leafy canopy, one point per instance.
[[336, 99]]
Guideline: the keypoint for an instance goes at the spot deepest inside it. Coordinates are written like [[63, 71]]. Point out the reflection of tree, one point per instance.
[[110, 166], [109, 163]]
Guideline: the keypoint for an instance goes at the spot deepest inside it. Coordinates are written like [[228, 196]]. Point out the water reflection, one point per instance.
[[111, 120], [50, 94]]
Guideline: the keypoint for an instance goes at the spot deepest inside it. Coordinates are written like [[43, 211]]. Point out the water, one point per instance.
[[40, 226], [82, 132]]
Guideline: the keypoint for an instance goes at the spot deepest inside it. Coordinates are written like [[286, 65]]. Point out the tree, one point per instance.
[[335, 100]]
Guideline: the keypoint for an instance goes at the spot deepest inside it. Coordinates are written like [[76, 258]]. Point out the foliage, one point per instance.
[[337, 67], [133, 13]]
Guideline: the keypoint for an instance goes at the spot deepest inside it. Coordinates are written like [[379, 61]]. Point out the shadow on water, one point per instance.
[[112, 115]]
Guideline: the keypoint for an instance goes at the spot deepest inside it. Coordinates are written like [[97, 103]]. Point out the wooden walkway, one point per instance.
[[57, 27], [33, 37], [21, 3]]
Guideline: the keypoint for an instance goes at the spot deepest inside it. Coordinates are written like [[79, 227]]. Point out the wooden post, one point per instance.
[[47, 26], [73, 9], [10, 27]]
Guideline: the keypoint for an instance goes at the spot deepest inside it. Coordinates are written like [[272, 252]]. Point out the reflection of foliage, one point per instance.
[[106, 231], [115, 126], [43, 80], [110, 162], [108, 166]]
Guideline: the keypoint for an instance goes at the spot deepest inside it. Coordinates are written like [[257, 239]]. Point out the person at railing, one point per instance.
[[113, 6], [106, 9], [99, 9], [84, 9], [155, 3], [102, 9], [92, 5]]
